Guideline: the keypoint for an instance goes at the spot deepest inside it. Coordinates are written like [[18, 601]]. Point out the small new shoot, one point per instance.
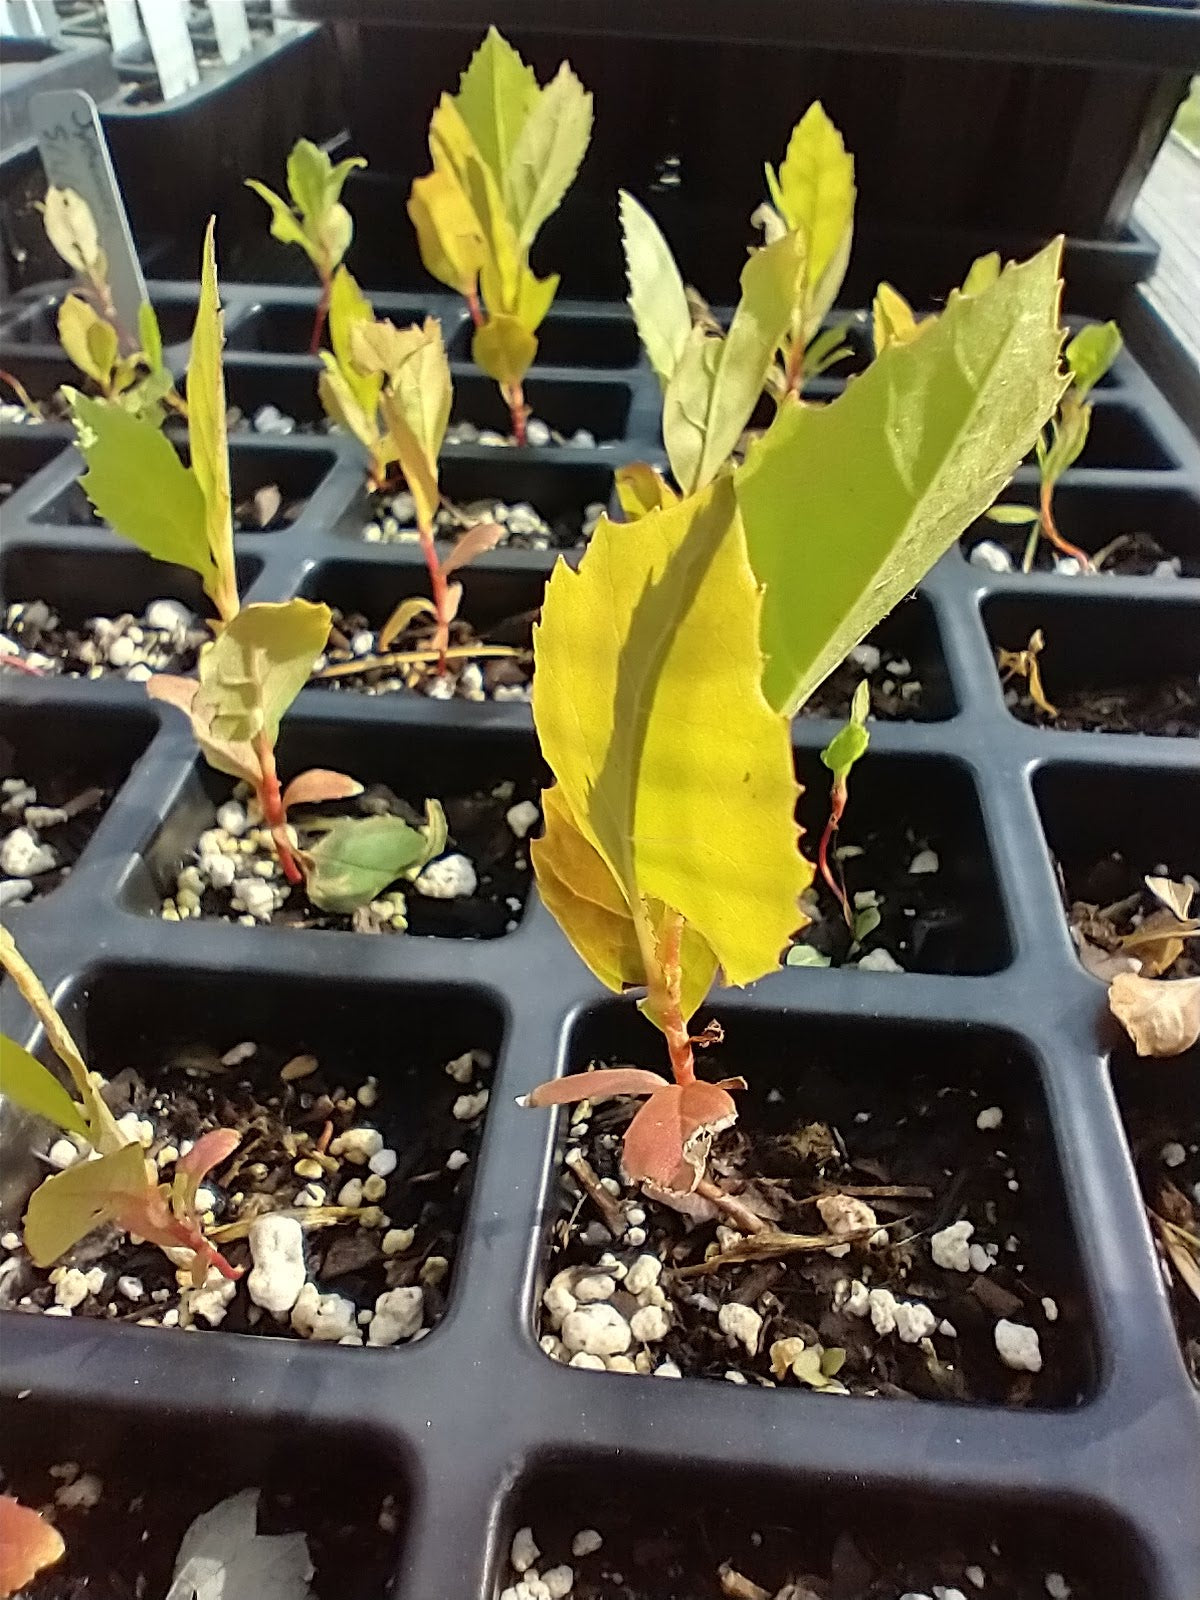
[[505, 151], [316, 219], [1089, 355], [846, 747]]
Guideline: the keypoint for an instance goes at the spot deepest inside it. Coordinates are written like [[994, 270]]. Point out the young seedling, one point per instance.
[[130, 373], [1089, 355], [670, 851], [263, 654], [351, 397], [316, 220], [505, 151], [117, 1185], [846, 747]]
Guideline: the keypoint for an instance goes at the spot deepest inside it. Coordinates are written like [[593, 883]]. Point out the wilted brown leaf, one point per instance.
[[1160, 1015], [1177, 897], [1024, 664]]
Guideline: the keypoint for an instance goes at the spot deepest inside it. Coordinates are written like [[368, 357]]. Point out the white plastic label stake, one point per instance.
[[281, 15], [124, 29], [231, 28], [165, 22], [23, 20], [75, 156]]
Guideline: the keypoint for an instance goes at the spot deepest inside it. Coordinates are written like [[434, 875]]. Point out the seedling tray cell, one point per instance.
[[473, 1429]]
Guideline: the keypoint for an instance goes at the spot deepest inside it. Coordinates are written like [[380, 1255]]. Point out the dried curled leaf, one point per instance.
[[1025, 664], [1176, 897], [1160, 1015], [224, 1557], [71, 229], [28, 1545]]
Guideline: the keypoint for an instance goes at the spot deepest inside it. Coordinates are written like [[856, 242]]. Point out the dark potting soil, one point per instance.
[[478, 828], [924, 922], [894, 697], [357, 665], [713, 1551], [391, 518], [1136, 556], [288, 1108], [1168, 707], [1108, 900], [124, 1547], [913, 1150], [87, 651], [74, 793]]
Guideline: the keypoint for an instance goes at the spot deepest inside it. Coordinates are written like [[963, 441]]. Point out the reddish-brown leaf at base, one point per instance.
[[28, 1545]]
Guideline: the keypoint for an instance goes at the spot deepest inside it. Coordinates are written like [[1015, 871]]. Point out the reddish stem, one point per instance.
[[271, 800], [1050, 528], [837, 804], [318, 329], [437, 583], [21, 665], [474, 308], [518, 410]]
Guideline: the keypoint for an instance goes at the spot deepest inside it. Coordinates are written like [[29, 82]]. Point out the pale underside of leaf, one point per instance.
[[657, 296], [547, 153], [847, 505], [648, 706], [224, 1557]]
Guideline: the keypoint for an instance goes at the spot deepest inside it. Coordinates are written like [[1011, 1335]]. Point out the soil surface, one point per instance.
[[124, 1546], [925, 921], [357, 665], [1139, 555], [1169, 707], [480, 830], [395, 1227], [59, 815], [714, 1552], [125, 646], [884, 1317], [897, 694], [270, 421], [392, 520]]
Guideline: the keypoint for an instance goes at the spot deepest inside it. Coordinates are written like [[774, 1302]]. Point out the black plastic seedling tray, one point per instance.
[[473, 1430]]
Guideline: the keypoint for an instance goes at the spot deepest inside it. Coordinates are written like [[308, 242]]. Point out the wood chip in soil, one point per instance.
[[284, 1119], [464, 678], [124, 1547], [914, 1132]]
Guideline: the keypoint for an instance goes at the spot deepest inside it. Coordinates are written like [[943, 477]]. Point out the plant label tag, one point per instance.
[[124, 29], [281, 15], [75, 155], [231, 27], [165, 22], [29, 18]]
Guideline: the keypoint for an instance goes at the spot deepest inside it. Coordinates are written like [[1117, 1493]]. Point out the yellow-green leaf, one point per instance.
[[27, 1083], [1091, 353], [983, 272], [449, 234], [504, 349], [455, 152], [238, 759], [814, 190], [88, 339], [101, 1128], [342, 405], [358, 857], [349, 309], [668, 758], [496, 94], [416, 406], [534, 298], [641, 489], [581, 893], [150, 335], [892, 318], [206, 429], [71, 229], [381, 348], [138, 484], [714, 389], [657, 296], [69, 1205], [251, 674], [547, 153], [285, 225], [847, 505]]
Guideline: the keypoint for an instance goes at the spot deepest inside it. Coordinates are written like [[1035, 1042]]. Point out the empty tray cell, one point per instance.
[[61, 769], [270, 489], [1120, 438], [658, 1536], [568, 340], [1107, 666], [931, 1127], [1160, 1107], [543, 504], [476, 890], [902, 660], [288, 388], [600, 411], [123, 1518], [268, 1058], [1109, 828], [41, 377], [1132, 533], [912, 849], [286, 329], [21, 455], [498, 610], [91, 614], [176, 314]]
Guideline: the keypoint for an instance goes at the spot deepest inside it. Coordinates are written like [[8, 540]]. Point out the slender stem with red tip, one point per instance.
[[271, 800]]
